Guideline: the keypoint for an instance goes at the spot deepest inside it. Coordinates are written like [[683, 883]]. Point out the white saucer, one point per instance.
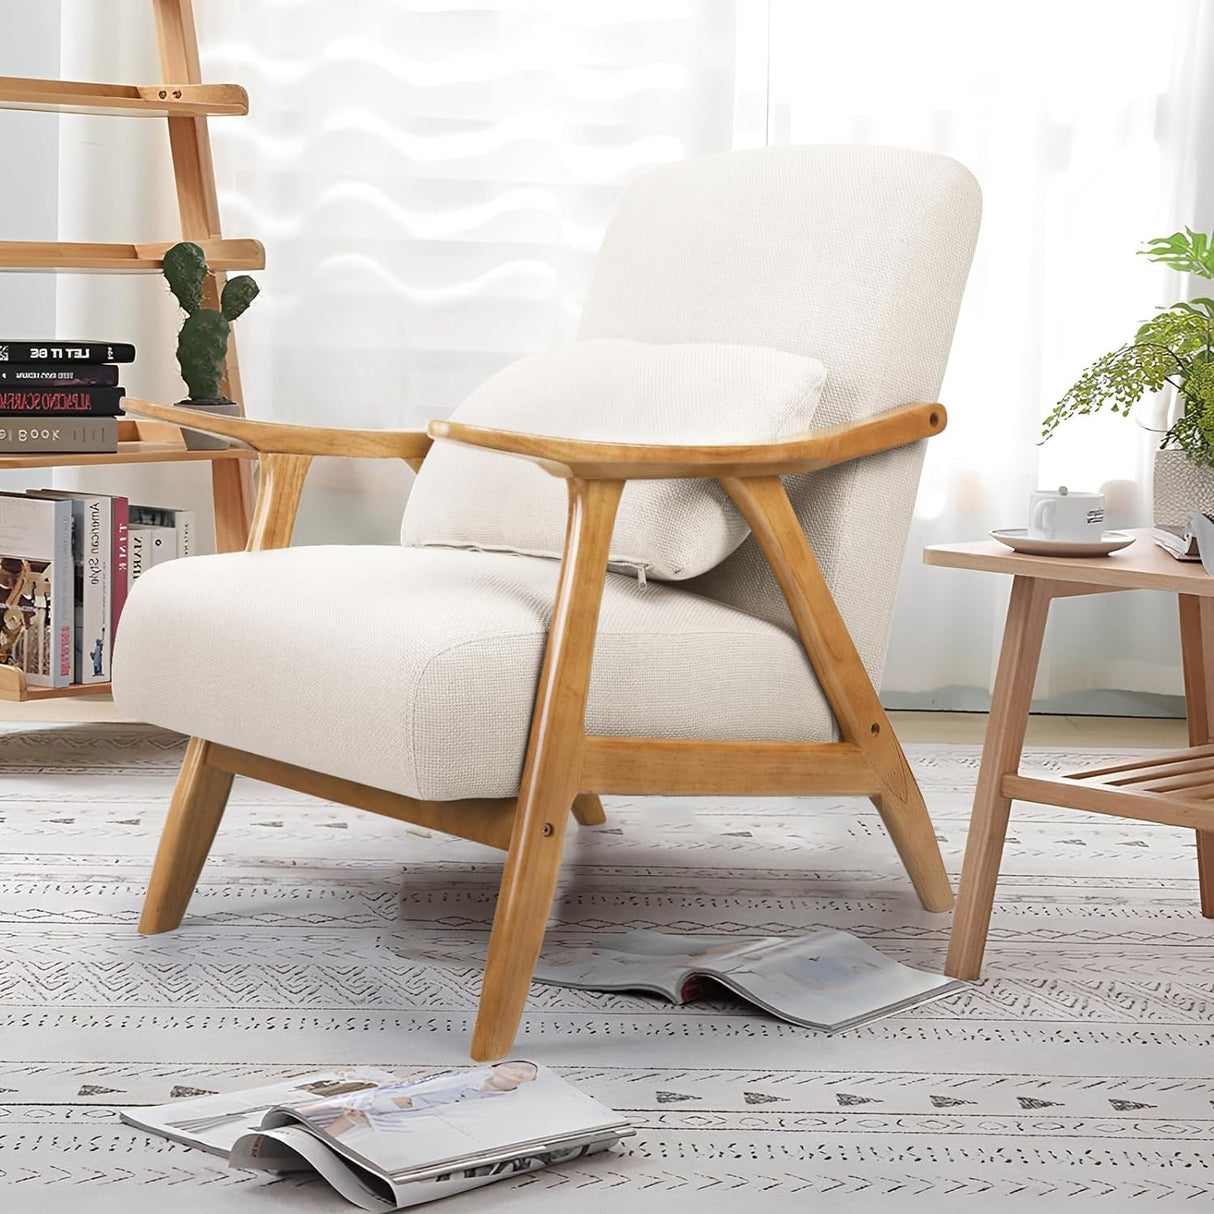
[[1018, 539]]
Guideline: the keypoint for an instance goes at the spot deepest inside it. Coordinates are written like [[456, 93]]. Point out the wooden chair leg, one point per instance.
[[198, 804], [551, 771], [1010, 700], [588, 810], [1197, 659], [914, 837], [764, 503]]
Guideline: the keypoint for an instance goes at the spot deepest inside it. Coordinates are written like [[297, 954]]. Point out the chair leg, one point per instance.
[[551, 771], [914, 838], [588, 810], [198, 804], [764, 503], [524, 903]]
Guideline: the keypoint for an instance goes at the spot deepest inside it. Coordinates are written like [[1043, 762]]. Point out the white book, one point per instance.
[[183, 523], [163, 544], [139, 556], [92, 550], [386, 1143], [1179, 542], [37, 578]]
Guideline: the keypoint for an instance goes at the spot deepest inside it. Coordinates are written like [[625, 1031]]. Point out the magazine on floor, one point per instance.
[[825, 980], [386, 1143]]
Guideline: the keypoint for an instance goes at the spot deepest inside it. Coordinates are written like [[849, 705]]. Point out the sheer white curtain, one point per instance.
[[1080, 121], [431, 182]]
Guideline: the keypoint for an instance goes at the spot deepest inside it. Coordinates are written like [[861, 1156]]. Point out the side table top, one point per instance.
[[1144, 565]]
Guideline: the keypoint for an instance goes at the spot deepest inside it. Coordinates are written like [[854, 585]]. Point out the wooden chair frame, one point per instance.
[[564, 767]]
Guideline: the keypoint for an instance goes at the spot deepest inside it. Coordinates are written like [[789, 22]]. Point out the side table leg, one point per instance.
[[1010, 699], [1197, 658]]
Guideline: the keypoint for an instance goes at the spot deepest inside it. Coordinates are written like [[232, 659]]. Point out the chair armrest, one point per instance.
[[576, 458], [277, 438]]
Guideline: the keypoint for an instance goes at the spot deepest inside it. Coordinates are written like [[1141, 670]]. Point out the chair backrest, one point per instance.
[[855, 255]]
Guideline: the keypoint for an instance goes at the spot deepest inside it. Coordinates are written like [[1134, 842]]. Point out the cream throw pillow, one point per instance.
[[612, 390]]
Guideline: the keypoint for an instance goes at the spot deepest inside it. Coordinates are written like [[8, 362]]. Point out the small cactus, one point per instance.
[[202, 345]]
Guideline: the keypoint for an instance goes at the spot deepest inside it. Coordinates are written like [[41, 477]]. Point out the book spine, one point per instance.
[[55, 401], [62, 599], [183, 524], [65, 375], [78, 592], [120, 576], [66, 352], [93, 645], [163, 544], [50, 434], [140, 552]]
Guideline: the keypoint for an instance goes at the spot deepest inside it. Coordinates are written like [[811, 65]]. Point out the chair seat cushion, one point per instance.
[[613, 391], [414, 670]]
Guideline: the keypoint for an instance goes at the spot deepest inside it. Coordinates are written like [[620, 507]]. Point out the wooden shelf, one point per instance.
[[185, 103], [139, 442], [14, 688], [138, 452], [129, 100], [1176, 788], [123, 258]]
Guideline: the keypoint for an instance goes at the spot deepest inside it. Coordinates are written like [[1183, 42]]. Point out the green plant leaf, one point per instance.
[[1188, 252]]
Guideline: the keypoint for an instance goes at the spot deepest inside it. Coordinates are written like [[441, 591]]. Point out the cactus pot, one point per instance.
[[195, 440], [1180, 486]]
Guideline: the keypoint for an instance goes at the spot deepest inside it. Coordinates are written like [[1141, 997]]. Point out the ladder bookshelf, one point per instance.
[[185, 103]]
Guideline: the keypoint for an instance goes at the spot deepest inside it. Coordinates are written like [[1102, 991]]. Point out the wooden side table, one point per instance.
[[1176, 788]]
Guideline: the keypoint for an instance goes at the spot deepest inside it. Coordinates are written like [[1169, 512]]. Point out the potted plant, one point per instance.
[[1174, 348], [202, 344]]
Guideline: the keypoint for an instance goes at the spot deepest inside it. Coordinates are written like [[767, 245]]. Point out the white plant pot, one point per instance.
[[195, 440], [1180, 486]]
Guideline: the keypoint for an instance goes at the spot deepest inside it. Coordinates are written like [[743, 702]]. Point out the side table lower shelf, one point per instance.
[[1176, 789]]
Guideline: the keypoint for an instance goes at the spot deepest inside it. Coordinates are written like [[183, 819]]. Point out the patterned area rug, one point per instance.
[[1076, 1072]]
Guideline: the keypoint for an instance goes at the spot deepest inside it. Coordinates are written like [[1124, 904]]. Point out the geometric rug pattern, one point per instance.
[[1077, 1072]]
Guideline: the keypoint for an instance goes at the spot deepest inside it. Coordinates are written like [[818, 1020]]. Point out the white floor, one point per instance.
[[1077, 1072]]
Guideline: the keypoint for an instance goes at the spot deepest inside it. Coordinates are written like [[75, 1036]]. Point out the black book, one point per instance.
[[50, 401], [60, 350], [59, 375]]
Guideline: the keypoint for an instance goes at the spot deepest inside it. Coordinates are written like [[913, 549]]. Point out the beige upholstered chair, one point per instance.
[[455, 688]]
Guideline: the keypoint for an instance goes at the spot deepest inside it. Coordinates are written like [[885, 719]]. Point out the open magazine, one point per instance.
[[825, 980], [386, 1143]]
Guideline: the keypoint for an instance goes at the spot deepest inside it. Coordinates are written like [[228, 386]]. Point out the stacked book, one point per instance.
[[67, 561], [60, 396]]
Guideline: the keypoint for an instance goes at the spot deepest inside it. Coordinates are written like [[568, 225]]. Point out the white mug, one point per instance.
[[1059, 514]]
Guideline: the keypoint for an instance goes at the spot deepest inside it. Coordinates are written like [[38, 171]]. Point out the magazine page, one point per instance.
[[440, 1123], [636, 961], [292, 1148], [214, 1122], [288, 1148], [826, 980]]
